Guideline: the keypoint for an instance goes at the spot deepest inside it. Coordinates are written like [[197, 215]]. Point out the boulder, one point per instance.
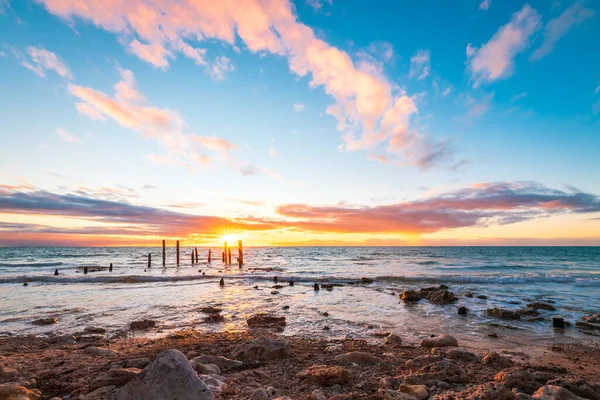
[[422, 361], [140, 363], [98, 351], [518, 378], [502, 314], [357, 357], [8, 374], [11, 391], [94, 329], [444, 370], [577, 386], [592, 318], [496, 360], [62, 340], [587, 325], [410, 296], [169, 377], [206, 369], [528, 311], [215, 382], [265, 320], [462, 310], [441, 297], [393, 340], [551, 392], [538, 305], [262, 349], [45, 321], [325, 375], [115, 377], [211, 310], [102, 393], [224, 363], [213, 318], [419, 392], [439, 341], [318, 394], [142, 325], [487, 391], [459, 355]]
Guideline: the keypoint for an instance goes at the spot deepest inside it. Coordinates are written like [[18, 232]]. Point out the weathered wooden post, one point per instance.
[[85, 270], [56, 272], [225, 252], [192, 257], [229, 256], [223, 257], [222, 282], [197, 256], [240, 253], [110, 268], [178, 252], [164, 252], [149, 260], [208, 255]]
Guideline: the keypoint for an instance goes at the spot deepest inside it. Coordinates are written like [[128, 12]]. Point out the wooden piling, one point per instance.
[[110, 268], [192, 257], [197, 255], [85, 270], [223, 257], [225, 252], [164, 252], [56, 272], [178, 252], [150, 260], [208, 255], [240, 253], [222, 282], [229, 256]]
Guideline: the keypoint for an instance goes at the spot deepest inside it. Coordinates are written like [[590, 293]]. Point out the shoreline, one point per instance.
[[74, 370]]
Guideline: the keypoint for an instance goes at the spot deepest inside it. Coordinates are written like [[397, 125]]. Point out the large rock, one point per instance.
[[577, 386], [8, 374], [224, 363], [357, 357], [98, 351], [45, 321], [592, 319], [487, 391], [502, 314], [102, 393], [410, 296], [325, 375], [115, 377], [459, 355], [62, 339], [444, 370], [169, 377], [259, 320], [538, 305], [441, 296], [496, 360], [421, 361], [11, 391], [518, 378], [393, 340], [555, 393], [440, 341], [215, 382], [420, 392], [142, 325], [262, 349]]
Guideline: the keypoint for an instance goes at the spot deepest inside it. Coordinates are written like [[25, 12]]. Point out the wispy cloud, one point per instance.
[[518, 97], [420, 65], [485, 5], [273, 153], [298, 107], [67, 136], [558, 27], [495, 59], [363, 97], [317, 5], [43, 60]]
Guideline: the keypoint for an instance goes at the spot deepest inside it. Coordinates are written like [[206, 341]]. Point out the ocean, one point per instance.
[[510, 277]]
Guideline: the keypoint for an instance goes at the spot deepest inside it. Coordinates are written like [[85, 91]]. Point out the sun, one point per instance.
[[231, 238]]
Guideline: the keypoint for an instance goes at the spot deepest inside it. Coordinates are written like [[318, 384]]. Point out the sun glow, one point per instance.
[[232, 238]]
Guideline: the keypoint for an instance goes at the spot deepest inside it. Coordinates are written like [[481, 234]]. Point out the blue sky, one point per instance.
[[490, 91]]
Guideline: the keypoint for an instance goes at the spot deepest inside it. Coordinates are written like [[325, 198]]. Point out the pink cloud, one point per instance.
[[43, 60], [156, 29]]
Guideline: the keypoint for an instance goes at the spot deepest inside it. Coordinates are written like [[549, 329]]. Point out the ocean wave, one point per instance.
[[48, 264], [581, 280]]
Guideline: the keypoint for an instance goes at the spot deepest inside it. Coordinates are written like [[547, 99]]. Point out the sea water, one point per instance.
[[510, 277]]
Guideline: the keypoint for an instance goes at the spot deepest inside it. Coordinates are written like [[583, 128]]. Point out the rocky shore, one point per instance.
[[260, 364]]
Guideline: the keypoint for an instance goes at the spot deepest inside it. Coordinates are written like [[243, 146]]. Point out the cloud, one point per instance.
[[476, 108], [596, 107], [155, 54], [317, 5], [485, 5], [43, 60], [447, 91], [518, 97], [558, 27], [420, 65], [298, 107], [67, 136], [480, 205], [495, 59], [273, 153], [362, 95]]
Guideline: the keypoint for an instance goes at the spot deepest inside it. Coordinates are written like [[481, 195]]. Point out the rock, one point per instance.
[[8, 374], [262, 349], [469, 294], [318, 394], [487, 391], [140, 363], [419, 392], [462, 310], [102, 393], [419, 362], [94, 329], [587, 325], [169, 377], [393, 340], [213, 318], [88, 337], [62, 340], [578, 387], [410, 296], [142, 325], [521, 395], [502, 314], [115, 377], [558, 323], [325, 375], [552, 392], [316, 287], [592, 318], [214, 382], [264, 394], [357, 357], [527, 311], [444, 370], [206, 369], [460, 355], [389, 394], [265, 320], [10, 391], [211, 310], [97, 351], [518, 378], [496, 360], [538, 305], [440, 341], [366, 280], [224, 363], [45, 321], [441, 297], [482, 297]]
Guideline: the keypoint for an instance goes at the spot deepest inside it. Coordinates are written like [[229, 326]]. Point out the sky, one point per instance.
[[308, 122]]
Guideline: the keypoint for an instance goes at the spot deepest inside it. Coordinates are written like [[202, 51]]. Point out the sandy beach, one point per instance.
[[262, 364]]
